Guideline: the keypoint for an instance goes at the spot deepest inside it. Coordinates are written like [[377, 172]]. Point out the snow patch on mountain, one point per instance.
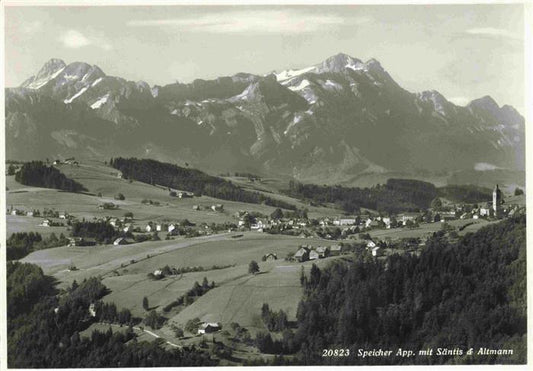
[[82, 90], [332, 85], [302, 85], [289, 74], [101, 101], [95, 82]]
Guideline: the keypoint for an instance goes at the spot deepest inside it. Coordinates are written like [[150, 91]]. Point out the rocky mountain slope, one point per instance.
[[325, 123]]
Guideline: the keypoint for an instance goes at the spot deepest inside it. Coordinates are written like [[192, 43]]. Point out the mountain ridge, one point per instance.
[[328, 122]]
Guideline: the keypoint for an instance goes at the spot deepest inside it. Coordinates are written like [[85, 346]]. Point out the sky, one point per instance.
[[463, 51]]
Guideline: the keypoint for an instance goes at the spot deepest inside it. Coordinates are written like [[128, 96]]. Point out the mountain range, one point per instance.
[[333, 122]]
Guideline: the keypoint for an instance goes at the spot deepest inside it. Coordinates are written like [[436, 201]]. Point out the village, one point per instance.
[[127, 230]]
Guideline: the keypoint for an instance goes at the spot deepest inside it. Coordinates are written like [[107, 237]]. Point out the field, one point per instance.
[[223, 257], [102, 180]]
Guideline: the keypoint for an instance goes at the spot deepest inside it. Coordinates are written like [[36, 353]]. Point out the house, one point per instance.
[[29, 213], [184, 195], [485, 210], [448, 215], [128, 227], [208, 327], [63, 215], [92, 310], [45, 223], [368, 222], [114, 222], [464, 216], [13, 212], [347, 221], [404, 218], [158, 227], [302, 254], [387, 221], [322, 251], [158, 273], [335, 249], [313, 255], [148, 228], [475, 216], [195, 207], [120, 241], [376, 251], [75, 241], [271, 257], [217, 207], [371, 244]]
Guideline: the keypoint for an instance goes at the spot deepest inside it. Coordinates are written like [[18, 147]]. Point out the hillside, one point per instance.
[[456, 295], [337, 121]]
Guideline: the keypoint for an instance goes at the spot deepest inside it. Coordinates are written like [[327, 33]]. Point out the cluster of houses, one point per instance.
[[68, 161], [308, 252]]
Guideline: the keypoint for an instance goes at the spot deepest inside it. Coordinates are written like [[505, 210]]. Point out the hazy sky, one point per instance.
[[463, 51]]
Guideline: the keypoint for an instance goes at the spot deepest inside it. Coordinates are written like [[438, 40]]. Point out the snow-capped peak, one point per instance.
[[50, 70]]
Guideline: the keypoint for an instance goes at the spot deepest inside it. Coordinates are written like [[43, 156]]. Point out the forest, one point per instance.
[[44, 328], [397, 195], [20, 244], [466, 294], [37, 174], [190, 180]]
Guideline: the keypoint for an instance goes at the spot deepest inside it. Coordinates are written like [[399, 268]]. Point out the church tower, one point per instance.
[[497, 201]]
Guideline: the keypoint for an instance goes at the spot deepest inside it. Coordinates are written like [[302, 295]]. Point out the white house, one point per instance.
[[376, 251], [120, 241], [158, 227], [208, 327], [371, 244], [148, 228], [45, 223], [171, 227], [92, 310]]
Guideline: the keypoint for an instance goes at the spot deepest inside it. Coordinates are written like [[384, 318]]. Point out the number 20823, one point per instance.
[[335, 352]]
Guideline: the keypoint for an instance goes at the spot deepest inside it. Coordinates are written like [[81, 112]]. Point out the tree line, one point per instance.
[[38, 174], [397, 195], [190, 180], [20, 244]]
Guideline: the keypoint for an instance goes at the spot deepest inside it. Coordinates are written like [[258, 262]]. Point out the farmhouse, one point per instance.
[[171, 227], [371, 244], [302, 254], [128, 227], [29, 213], [45, 223], [376, 251], [404, 218], [217, 207], [148, 228], [208, 327], [335, 249], [184, 195], [120, 241], [75, 241], [313, 255], [270, 257], [322, 251], [196, 207]]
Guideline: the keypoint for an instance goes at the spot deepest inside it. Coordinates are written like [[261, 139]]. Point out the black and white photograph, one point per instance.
[[270, 184]]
